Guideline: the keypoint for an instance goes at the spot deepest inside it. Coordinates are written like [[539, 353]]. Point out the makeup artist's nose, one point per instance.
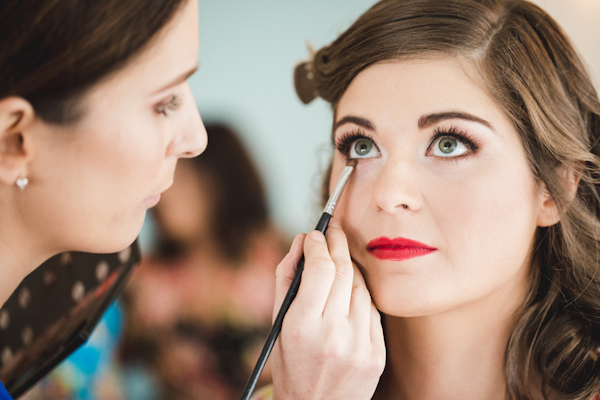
[[190, 139], [396, 188]]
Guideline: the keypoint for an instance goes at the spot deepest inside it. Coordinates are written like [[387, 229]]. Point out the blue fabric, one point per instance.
[[4, 393], [89, 367]]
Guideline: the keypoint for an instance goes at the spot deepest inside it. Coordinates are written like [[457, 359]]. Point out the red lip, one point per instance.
[[397, 249]]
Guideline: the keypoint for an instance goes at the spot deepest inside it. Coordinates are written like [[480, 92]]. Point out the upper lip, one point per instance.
[[398, 242]]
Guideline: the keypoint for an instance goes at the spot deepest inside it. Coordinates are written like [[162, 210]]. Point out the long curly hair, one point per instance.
[[534, 73]]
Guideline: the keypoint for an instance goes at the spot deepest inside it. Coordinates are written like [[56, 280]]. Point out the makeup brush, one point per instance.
[[293, 289]]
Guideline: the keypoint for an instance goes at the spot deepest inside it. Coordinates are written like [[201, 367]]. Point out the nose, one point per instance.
[[396, 188], [191, 138]]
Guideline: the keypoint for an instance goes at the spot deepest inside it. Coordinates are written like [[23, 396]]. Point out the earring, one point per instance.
[[22, 183]]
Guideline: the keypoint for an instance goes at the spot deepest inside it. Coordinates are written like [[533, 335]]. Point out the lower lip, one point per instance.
[[152, 200], [398, 253]]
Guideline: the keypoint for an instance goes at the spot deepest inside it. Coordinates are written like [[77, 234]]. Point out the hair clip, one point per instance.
[[304, 78]]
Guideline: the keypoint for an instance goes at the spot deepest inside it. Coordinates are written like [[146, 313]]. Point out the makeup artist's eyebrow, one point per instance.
[[350, 119], [181, 78], [430, 119]]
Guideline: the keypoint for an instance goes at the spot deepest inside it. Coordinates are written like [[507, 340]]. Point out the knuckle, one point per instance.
[[297, 337], [360, 291], [321, 265], [378, 361], [336, 353], [284, 270], [344, 270]]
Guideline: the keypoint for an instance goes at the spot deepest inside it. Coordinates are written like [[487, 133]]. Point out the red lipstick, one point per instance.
[[397, 249]]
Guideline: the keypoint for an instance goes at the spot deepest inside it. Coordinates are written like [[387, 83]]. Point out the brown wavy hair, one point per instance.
[[52, 52], [533, 72]]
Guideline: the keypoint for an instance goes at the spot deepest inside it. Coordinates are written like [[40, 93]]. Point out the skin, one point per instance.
[[449, 313], [92, 182]]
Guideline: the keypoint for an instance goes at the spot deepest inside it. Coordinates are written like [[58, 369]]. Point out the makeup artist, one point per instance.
[[472, 216], [95, 111]]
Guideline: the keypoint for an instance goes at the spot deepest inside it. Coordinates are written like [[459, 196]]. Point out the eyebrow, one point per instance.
[[430, 119], [181, 78], [424, 122], [351, 119]]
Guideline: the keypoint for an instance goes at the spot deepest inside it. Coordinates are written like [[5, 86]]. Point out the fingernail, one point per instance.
[[316, 235], [335, 223]]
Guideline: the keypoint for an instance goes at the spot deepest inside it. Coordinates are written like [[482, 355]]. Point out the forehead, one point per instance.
[[170, 53], [399, 89]]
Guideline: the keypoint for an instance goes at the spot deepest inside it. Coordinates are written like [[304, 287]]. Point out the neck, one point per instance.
[[453, 355], [19, 254]]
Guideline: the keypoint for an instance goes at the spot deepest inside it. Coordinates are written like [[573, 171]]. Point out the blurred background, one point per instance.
[[195, 314]]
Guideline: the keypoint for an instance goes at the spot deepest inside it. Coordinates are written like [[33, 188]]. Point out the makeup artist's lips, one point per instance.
[[397, 249]]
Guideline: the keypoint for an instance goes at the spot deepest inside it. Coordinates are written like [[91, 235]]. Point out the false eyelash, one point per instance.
[[345, 141], [455, 133], [171, 104]]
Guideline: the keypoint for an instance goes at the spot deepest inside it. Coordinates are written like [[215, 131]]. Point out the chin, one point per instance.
[[106, 247], [113, 240], [405, 301]]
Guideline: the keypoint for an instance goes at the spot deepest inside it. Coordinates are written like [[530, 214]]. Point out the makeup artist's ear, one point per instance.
[[549, 214], [16, 116]]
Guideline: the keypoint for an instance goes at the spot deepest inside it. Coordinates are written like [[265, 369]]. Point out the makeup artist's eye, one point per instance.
[[171, 104], [450, 143], [357, 145]]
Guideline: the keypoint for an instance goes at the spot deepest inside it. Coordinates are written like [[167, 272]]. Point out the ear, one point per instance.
[[549, 214], [16, 116]]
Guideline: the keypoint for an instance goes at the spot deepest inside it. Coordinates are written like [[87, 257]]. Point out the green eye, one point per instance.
[[447, 145], [363, 147]]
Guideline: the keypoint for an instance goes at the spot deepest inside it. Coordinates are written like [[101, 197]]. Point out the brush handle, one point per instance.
[[278, 323]]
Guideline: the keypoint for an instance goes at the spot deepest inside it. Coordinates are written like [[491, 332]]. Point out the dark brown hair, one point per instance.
[[239, 205], [534, 73], [51, 52]]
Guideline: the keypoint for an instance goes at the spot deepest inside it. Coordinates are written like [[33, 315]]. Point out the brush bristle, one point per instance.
[[352, 162]]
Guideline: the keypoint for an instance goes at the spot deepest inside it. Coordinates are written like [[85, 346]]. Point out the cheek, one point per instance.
[[120, 171], [490, 216]]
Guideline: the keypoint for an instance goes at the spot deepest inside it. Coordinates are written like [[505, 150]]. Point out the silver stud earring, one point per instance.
[[22, 183]]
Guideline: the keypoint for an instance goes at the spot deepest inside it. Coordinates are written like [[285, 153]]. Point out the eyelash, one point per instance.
[[457, 134], [172, 104], [345, 141]]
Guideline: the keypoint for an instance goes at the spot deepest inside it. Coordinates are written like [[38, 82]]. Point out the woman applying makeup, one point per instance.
[[463, 259], [95, 111]]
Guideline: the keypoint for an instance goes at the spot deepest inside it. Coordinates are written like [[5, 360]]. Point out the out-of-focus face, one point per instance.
[[93, 181], [186, 209], [442, 211]]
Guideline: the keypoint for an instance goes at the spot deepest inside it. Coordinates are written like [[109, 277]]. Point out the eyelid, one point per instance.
[[345, 140], [171, 103], [456, 133]]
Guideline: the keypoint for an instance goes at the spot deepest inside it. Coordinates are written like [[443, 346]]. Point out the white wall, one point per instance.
[[247, 52]]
